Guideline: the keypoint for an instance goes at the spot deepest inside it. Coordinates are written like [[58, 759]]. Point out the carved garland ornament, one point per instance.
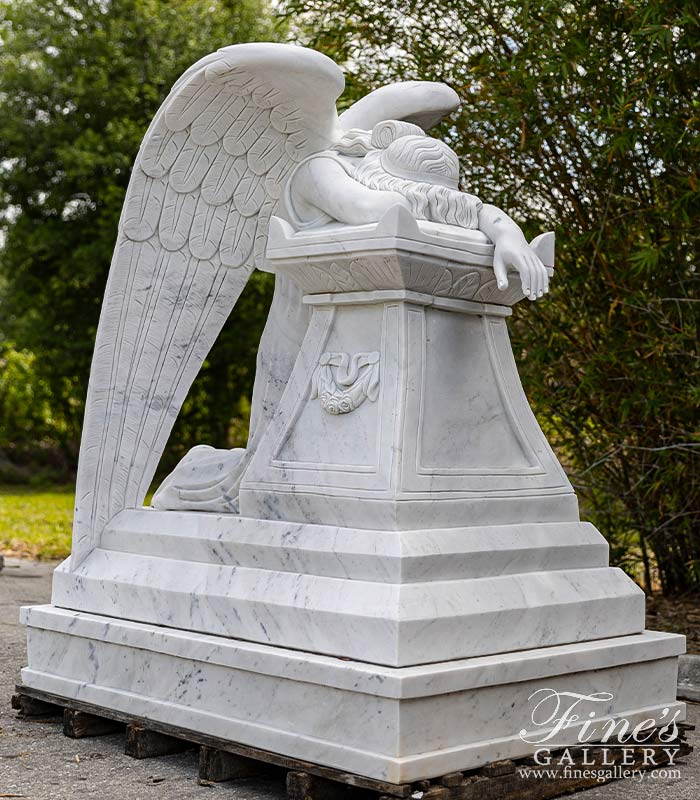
[[354, 380]]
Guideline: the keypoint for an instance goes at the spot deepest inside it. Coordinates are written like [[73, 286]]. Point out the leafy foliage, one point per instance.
[[25, 416], [583, 117], [80, 81]]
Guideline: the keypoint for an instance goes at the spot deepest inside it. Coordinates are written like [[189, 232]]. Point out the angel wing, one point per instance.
[[194, 225], [423, 103]]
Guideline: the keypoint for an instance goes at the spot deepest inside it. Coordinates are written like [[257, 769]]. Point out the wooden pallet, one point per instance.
[[222, 760]]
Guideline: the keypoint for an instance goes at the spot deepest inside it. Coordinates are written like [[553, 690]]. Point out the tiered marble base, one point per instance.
[[409, 567], [398, 598], [392, 724], [435, 639]]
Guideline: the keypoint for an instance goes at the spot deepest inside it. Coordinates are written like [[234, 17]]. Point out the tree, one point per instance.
[[583, 117], [80, 81]]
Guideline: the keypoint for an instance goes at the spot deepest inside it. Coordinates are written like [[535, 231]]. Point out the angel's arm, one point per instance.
[[322, 183], [512, 249]]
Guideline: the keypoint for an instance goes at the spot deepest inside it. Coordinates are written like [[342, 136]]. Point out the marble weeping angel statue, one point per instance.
[[249, 132]]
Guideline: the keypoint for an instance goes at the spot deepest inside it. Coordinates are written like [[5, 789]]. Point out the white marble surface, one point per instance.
[[448, 437], [248, 132], [371, 555], [383, 623], [397, 725], [208, 177], [400, 504], [375, 679], [395, 598], [418, 255], [194, 225], [421, 102]]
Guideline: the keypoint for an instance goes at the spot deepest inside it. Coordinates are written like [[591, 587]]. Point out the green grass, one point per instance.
[[36, 523]]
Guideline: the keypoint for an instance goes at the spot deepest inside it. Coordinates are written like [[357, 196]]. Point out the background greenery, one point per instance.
[[79, 84], [583, 118], [36, 522]]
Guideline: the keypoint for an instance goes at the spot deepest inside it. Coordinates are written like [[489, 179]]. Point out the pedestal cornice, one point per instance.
[[398, 252]]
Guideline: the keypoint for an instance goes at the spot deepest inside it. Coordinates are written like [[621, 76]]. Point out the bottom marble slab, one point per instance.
[[392, 724]]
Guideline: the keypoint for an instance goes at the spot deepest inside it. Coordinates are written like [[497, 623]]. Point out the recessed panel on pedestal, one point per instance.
[[384, 576]]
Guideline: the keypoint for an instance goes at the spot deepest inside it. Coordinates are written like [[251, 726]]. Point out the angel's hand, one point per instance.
[[514, 251]]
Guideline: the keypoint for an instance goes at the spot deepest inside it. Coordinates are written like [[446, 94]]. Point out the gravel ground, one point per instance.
[[38, 763]]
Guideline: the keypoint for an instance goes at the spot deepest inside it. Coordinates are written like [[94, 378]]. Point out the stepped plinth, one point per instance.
[[408, 568]]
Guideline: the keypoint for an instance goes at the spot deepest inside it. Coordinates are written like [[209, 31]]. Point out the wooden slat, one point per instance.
[[452, 779], [146, 743], [222, 760], [304, 786], [217, 743], [79, 724], [218, 765], [31, 707], [498, 768]]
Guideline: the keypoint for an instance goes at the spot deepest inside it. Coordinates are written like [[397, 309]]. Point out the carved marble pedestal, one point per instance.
[[408, 566]]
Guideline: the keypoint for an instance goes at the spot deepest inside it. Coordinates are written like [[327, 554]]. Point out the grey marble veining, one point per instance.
[[394, 564], [407, 724], [372, 555], [395, 624]]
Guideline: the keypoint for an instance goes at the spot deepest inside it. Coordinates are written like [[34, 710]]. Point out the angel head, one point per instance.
[[400, 157]]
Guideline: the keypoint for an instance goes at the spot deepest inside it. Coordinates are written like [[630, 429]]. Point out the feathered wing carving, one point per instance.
[[422, 102], [194, 225]]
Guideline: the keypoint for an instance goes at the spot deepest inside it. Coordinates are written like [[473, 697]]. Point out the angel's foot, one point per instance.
[[206, 479]]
